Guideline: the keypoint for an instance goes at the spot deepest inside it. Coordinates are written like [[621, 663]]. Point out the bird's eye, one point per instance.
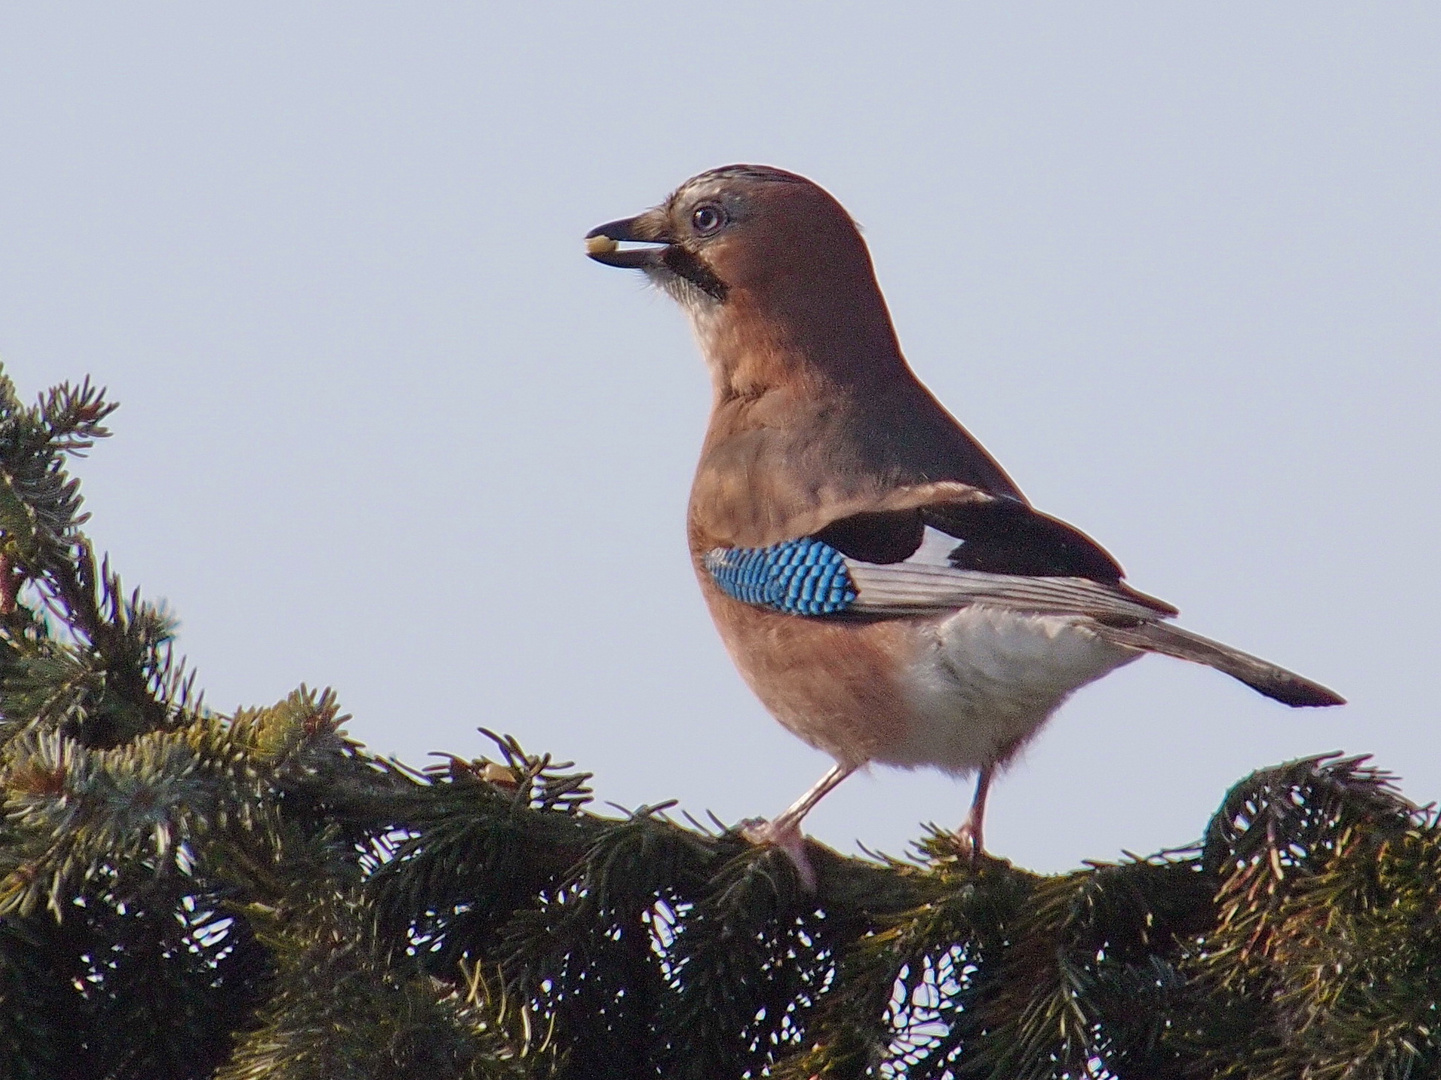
[[707, 220]]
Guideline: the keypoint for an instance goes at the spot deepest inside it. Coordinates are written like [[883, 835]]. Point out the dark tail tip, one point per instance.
[[1297, 692]]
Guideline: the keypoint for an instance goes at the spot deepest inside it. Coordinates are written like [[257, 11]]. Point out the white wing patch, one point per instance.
[[935, 549], [928, 582]]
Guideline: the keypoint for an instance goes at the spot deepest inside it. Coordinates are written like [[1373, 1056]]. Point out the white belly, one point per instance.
[[985, 679]]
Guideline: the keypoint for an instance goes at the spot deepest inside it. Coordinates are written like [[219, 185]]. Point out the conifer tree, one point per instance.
[[186, 894]]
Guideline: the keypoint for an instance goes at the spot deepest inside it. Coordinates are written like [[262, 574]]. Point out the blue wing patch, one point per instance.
[[799, 577]]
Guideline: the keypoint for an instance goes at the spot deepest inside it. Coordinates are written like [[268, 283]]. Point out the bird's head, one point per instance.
[[768, 234], [810, 384]]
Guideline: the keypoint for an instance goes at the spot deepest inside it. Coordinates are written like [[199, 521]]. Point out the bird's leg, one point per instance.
[[785, 831], [971, 834]]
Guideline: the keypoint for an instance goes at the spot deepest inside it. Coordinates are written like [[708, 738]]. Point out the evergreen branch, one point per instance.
[[39, 501], [147, 805], [184, 892], [341, 1010], [1285, 989], [1276, 828]]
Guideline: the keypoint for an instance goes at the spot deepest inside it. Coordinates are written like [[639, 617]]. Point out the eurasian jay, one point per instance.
[[882, 585]]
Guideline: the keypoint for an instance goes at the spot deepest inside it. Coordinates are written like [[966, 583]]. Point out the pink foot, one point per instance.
[[969, 837], [789, 839]]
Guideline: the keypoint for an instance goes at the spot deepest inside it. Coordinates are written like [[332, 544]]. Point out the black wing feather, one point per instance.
[[1008, 537], [1000, 537], [881, 537]]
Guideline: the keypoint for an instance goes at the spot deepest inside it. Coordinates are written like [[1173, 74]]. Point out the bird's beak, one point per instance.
[[603, 242]]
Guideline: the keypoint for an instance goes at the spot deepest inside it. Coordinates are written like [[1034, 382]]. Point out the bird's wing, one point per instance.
[[946, 556], [935, 557]]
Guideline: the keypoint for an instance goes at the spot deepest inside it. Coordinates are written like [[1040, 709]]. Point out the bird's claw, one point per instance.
[[789, 839], [971, 842]]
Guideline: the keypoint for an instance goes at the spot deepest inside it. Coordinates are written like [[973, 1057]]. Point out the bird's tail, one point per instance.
[[1275, 682]]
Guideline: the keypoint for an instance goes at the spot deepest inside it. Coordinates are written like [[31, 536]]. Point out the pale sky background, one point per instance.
[[385, 428]]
